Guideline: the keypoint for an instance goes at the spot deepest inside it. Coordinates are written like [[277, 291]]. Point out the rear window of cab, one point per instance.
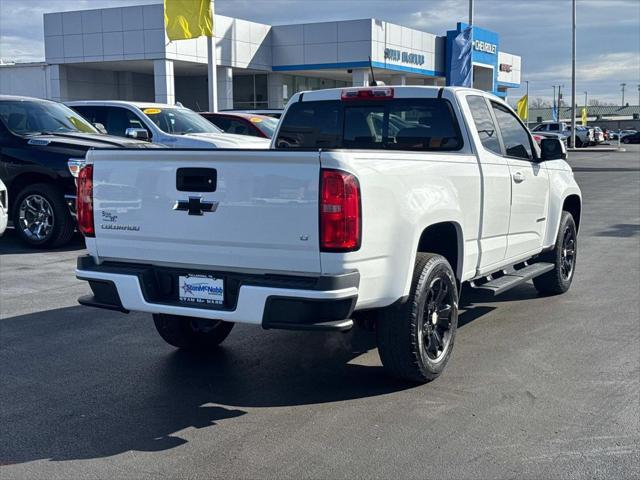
[[425, 124]]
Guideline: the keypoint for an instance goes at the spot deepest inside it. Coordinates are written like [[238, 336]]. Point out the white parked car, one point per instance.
[[598, 135], [373, 204], [168, 125], [4, 207]]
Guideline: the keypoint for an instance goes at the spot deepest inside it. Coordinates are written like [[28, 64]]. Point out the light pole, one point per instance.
[[471, 40], [585, 99], [623, 85], [573, 75]]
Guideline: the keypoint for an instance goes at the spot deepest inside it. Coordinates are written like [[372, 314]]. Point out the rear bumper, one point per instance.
[[267, 300]]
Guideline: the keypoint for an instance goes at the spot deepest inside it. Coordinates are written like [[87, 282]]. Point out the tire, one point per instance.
[[579, 142], [563, 256], [57, 223], [190, 333], [405, 332], [626, 141]]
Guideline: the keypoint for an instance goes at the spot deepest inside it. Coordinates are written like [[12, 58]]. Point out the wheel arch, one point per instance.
[[446, 239], [573, 204], [23, 180]]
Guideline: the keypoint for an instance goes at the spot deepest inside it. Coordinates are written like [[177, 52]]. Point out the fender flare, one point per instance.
[[453, 217]]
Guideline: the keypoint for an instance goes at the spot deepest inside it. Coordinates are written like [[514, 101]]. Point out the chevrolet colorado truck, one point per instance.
[[373, 204]]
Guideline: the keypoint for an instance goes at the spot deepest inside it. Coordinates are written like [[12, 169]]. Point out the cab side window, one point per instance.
[[238, 127], [484, 123], [515, 137], [92, 114], [119, 119], [221, 122]]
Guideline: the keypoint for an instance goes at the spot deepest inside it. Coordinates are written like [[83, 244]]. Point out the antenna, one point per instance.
[[373, 82]]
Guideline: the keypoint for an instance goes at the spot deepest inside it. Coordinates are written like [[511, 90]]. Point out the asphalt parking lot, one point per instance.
[[537, 387]]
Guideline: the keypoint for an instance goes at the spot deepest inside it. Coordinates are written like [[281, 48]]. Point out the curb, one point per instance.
[[605, 149]]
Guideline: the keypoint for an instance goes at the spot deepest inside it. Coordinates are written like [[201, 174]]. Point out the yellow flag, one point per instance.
[[584, 117], [523, 111], [184, 19]]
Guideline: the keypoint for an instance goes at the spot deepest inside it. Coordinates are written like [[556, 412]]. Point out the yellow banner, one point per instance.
[[584, 117], [184, 19], [523, 111]]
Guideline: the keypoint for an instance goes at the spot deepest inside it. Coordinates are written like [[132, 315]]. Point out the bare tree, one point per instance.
[[594, 102], [540, 103]]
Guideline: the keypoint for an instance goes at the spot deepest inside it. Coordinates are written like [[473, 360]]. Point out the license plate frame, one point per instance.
[[197, 289]]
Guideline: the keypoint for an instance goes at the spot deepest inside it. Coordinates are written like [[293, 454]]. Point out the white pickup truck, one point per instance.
[[373, 204]]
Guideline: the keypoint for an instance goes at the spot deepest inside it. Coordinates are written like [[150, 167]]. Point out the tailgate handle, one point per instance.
[[196, 179]]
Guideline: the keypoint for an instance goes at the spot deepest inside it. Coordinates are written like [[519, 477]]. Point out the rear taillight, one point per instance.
[[385, 93], [340, 227], [84, 201]]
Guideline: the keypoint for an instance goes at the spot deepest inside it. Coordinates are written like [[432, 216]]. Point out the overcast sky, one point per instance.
[[608, 51]]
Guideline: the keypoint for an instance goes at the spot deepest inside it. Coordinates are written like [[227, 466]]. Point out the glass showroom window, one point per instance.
[[250, 91]]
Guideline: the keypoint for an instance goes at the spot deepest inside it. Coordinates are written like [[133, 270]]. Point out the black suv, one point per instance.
[[42, 145]]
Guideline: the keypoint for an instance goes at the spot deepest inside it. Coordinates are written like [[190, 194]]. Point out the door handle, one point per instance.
[[518, 177]]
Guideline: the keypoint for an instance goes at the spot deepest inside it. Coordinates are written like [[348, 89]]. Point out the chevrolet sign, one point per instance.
[[485, 47]]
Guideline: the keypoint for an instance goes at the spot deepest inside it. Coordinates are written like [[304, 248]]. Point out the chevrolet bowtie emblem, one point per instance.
[[195, 206]]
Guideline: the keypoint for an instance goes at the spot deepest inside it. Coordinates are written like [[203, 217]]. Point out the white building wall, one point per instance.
[[389, 35], [137, 33], [321, 43], [29, 80], [516, 68], [123, 33]]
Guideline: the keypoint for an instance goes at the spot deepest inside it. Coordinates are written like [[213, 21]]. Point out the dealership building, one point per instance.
[[123, 54]]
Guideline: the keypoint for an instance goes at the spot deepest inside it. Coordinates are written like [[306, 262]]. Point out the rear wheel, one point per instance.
[[415, 339], [41, 216], [191, 333], [563, 256]]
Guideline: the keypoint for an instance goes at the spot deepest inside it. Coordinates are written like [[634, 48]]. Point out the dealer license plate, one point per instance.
[[203, 289]]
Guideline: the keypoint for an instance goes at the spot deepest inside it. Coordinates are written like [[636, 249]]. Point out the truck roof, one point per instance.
[[400, 91]]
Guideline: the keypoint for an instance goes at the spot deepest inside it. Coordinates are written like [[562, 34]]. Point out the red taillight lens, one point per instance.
[[385, 93], [339, 212], [84, 201]]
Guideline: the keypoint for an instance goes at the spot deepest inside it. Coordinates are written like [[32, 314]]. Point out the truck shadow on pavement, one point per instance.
[[80, 383], [10, 244]]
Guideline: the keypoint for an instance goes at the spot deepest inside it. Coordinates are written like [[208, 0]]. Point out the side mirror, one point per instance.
[[137, 134], [100, 128], [552, 149]]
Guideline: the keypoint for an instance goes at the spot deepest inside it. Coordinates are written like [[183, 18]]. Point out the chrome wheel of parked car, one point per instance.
[[35, 217]]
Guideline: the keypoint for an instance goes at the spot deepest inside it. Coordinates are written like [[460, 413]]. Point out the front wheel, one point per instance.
[[563, 256], [626, 140], [415, 339], [191, 333]]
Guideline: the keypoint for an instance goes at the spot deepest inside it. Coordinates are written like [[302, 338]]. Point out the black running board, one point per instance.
[[513, 278], [335, 326]]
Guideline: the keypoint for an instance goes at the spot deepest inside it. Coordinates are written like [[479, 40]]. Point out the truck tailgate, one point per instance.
[[262, 213]]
